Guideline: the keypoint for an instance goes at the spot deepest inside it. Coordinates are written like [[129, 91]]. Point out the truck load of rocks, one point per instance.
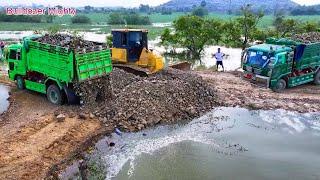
[[307, 38], [167, 97], [69, 41], [94, 92]]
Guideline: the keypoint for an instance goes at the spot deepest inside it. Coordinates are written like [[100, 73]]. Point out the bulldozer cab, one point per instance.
[[133, 40]]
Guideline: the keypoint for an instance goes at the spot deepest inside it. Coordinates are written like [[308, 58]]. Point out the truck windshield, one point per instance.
[[14, 54], [258, 58]]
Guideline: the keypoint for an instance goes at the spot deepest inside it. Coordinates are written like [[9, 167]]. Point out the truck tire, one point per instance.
[[317, 78], [20, 82], [280, 86], [54, 94]]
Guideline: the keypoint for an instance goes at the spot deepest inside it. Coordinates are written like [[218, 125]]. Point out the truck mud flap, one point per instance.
[[261, 81]]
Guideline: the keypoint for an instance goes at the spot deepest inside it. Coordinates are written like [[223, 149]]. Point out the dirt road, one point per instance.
[[232, 90], [32, 141]]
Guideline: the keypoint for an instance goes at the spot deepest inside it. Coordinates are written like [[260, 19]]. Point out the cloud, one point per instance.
[[307, 2]]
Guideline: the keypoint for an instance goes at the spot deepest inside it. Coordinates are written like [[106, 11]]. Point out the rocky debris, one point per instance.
[[68, 41], [72, 115], [307, 38], [139, 102], [83, 116], [60, 117], [91, 116], [94, 92]]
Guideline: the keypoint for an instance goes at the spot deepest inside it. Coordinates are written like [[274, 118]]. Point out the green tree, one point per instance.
[[49, 19], [203, 3], [287, 27], [310, 26], [128, 19], [248, 23], [194, 33], [80, 19], [200, 11], [232, 34], [169, 40]]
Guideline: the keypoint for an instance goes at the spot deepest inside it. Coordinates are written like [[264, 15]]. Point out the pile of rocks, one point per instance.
[[68, 41], [307, 38], [139, 102], [94, 92]]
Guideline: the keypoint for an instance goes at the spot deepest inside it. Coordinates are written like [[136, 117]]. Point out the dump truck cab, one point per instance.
[[281, 63], [16, 60], [130, 50]]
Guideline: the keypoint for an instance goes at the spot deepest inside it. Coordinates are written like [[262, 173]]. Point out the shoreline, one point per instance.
[[59, 144]]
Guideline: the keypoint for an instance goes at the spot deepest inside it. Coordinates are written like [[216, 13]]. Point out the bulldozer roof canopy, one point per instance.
[[129, 30]]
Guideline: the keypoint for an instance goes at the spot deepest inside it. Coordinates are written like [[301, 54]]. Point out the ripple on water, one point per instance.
[[224, 143]]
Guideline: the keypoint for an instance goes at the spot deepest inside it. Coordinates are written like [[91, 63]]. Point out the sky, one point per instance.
[[106, 3]]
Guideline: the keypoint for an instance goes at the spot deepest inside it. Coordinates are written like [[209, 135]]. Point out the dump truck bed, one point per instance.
[[307, 55], [66, 64]]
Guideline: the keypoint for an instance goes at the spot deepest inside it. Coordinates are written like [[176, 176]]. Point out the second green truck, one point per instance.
[[54, 70], [282, 63]]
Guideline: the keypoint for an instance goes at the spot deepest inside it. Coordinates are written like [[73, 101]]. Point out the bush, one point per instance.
[[80, 19], [20, 18], [200, 11], [128, 18]]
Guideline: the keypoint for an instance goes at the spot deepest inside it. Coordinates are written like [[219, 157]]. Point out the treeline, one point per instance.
[[28, 19], [306, 10], [129, 18], [21, 18], [80, 19], [40, 19], [194, 33]]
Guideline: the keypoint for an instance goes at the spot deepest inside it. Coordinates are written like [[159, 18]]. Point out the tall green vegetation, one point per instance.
[[200, 10], [82, 19], [20, 18], [126, 18], [248, 22], [193, 33], [287, 27]]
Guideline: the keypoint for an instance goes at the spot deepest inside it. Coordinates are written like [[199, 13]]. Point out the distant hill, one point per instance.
[[227, 5]]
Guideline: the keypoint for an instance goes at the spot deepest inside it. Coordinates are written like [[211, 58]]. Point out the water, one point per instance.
[[227, 143], [4, 94], [232, 60]]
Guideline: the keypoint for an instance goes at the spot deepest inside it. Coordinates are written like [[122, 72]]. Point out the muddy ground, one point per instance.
[[33, 142], [233, 91]]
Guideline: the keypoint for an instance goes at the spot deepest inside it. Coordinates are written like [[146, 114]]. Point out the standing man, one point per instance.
[[219, 57]]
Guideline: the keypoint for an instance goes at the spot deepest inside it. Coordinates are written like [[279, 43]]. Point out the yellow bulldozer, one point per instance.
[[130, 52]]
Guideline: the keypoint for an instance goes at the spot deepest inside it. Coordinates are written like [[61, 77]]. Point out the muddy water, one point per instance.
[[4, 94], [227, 143], [232, 60]]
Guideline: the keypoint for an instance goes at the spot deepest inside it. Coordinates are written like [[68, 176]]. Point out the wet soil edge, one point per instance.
[[55, 170]]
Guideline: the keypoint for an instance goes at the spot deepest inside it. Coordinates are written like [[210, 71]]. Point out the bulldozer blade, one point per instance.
[[138, 71], [184, 66]]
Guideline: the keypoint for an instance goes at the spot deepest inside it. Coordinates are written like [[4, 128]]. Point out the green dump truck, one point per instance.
[[282, 63], [54, 70]]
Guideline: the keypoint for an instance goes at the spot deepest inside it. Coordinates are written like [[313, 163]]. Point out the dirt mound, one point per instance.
[[307, 38], [167, 97], [94, 92]]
